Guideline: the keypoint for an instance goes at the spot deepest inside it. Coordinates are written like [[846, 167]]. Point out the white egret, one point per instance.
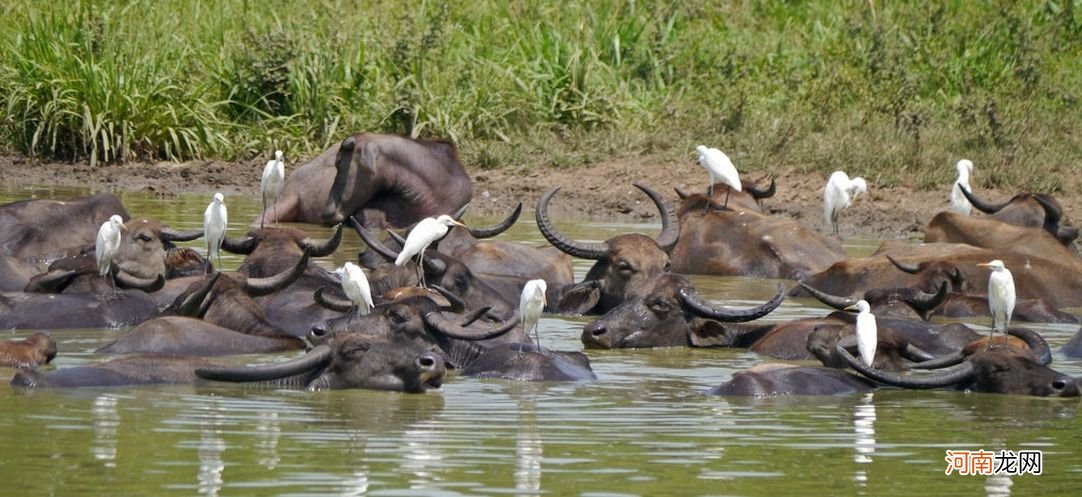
[[530, 306], [720, 168], [421, 236], [274, 175], [867, 331], [355, 286], [1000, 296], [959, 203], [215, 220], [107, 244], [839, 194]]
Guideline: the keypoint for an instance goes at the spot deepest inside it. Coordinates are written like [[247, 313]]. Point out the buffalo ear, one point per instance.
[[580, 298], [709, 333]]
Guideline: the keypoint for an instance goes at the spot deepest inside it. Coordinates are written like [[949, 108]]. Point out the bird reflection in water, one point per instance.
[[864, 441], [267, 431], [529, 450], [106, 421], [211, 447]]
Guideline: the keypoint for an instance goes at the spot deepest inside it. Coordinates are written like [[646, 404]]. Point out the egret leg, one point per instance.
[[421, 269], [709, 196], [275, 207], [263, 215], [727, 192]]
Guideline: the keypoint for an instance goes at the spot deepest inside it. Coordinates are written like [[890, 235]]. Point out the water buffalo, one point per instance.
[[34, 350], [1035, 210], [986, 232], [384, 180], [15, 273], [772, 379], [40, 311], [747, 199], [669, 312], [270, 251], [43, 230], [1002, 369], [185, 336], [346, 362], [500, 351], [734, 242], [1055, 277], [625, 263]]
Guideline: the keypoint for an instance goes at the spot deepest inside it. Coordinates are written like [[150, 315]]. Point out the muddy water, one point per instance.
[[643, 428]]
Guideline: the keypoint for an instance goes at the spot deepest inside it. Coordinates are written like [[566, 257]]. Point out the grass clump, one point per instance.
[[889, 90]]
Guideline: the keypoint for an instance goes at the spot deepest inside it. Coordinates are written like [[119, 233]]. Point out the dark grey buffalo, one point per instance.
[[41, 311], [345, 362], [43, 230], [625, 263], [669, 312], [773, 379], [383, 180], [185, 336]]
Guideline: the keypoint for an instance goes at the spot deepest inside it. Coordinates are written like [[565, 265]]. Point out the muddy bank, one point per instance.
[[601, 191]]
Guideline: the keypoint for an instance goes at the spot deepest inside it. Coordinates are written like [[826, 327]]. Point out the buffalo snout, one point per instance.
[[596, 334]]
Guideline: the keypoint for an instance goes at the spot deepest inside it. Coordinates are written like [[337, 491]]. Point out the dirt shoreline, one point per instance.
[[601, 191]]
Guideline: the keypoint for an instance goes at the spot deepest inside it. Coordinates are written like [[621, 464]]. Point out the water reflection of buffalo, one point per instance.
[[344, 362], [490, 351], [625, 263], [383, 180]]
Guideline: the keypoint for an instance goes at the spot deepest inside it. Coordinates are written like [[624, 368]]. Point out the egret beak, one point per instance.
[[982, 264], [456, 223], [544, 299], [123, 226]]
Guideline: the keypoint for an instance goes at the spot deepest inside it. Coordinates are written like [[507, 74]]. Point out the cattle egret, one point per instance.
[[107, 244], [274, 175], [355, 286], [1000, 296], [214, 223], [959, 203], [867, 332], [720, 168], [839, 194], [530, 306], [421, 236]]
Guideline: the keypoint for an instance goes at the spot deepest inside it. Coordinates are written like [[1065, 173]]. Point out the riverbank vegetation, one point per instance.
[[894, 91]]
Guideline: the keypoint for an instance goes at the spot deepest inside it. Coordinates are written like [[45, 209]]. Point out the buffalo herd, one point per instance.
[[458, 310]]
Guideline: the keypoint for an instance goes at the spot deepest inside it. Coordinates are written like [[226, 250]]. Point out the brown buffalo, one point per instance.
[[1035, 210], [625, 263], [747, 199], [34, 350]]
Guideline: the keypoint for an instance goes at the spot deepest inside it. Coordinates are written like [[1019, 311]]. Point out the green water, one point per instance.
[[643, 428]]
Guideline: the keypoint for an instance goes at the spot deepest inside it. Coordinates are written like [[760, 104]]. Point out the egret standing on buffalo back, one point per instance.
[[867, 331], [530, 305], [721, 169], [215, 220], [355, 286], [107, 244], [1001, 296], [421, 236]]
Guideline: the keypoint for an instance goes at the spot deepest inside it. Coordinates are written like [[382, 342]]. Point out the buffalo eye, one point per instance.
[[659, 306], [398, 317], [143, 237], [668, 266]]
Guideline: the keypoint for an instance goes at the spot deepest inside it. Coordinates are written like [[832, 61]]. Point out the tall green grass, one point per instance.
[[896, 91]]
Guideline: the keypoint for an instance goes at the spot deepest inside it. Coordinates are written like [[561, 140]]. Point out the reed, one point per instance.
[[895, 91]]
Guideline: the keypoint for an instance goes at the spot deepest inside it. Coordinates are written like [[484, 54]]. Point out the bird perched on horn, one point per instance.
[[959, 203], [274, 176], [1001, 297], [215, 219], [720, 168], [421, 236], [839, 194], [867, 331]]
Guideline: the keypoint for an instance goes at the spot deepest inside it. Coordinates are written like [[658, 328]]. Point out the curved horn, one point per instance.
[[265, 286], [681, 193], [945, 378], [924, 302], [1036, 343], [573, 248], [324, 248], [399, 239], [179, 236], [958, 280], [454, 330], [126, 280], [760, 193], [908, 268], [372, 242], [330, 302], [243, 246], [192, 304], [1052, 212], [702, 307], [670, 224], [499, 227], [457, 304], [461, 211], [317, 357], [981, 205], [941, 362], [839, 303]]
